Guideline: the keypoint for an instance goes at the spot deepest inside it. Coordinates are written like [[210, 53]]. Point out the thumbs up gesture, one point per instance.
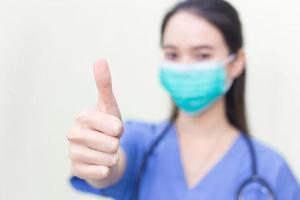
[[94, 137], [106, 102]]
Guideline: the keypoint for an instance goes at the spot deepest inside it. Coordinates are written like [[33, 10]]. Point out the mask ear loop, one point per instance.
[[228, 60]]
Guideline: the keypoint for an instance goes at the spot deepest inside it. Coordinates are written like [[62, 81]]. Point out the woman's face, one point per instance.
[[189, 38]]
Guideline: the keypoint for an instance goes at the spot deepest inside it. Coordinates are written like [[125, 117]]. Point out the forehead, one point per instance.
[[188, 29]]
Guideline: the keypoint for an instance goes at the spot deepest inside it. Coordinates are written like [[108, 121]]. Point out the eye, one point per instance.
[[171, 55], [203, 56]]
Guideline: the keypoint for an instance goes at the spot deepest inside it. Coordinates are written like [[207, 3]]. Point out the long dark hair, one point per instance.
[[225, 17]]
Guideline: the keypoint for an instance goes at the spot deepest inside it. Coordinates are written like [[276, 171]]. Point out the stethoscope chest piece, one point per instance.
[[256, 188]]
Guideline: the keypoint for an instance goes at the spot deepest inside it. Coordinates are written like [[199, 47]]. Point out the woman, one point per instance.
[[204, 151]]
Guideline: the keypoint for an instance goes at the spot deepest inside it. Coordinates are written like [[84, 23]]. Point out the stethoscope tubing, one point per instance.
[[253, 178]]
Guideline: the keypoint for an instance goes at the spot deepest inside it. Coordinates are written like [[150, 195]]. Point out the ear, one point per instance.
[[237, 66]]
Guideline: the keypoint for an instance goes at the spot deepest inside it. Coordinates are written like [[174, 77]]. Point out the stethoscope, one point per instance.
[[261, 185]]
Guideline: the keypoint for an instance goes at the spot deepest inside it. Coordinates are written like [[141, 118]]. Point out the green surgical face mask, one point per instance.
[[195, 87]]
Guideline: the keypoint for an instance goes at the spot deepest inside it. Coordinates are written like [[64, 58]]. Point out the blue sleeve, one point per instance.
[[134, 141], [287, 186]]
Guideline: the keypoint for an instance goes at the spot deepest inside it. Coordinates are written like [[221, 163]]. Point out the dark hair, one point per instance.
[[225, 17]]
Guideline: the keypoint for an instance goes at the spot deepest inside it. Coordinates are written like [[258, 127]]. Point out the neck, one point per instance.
[[212, 121]]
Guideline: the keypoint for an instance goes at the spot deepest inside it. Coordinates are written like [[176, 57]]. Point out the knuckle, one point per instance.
[[114, 159], [75, 135], [82, 118], [71, 133], [114, 145], [74, 154], [103, 172], [78, 170], [118, 127], [84, 115], [74, 170]]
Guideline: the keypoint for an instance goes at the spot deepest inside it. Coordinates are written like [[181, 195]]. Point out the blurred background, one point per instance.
[[47, 50]]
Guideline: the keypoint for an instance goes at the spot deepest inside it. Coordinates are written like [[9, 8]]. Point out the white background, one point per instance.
[[47, 49]]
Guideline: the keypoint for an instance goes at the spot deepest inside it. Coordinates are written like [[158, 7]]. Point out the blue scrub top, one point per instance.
[[164, 176]]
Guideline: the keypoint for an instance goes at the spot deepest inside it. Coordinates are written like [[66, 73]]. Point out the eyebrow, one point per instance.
[[169, 47], [199, 47], [196, 47]]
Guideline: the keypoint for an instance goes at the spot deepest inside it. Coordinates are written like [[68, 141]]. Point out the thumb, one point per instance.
[[106, 101]]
